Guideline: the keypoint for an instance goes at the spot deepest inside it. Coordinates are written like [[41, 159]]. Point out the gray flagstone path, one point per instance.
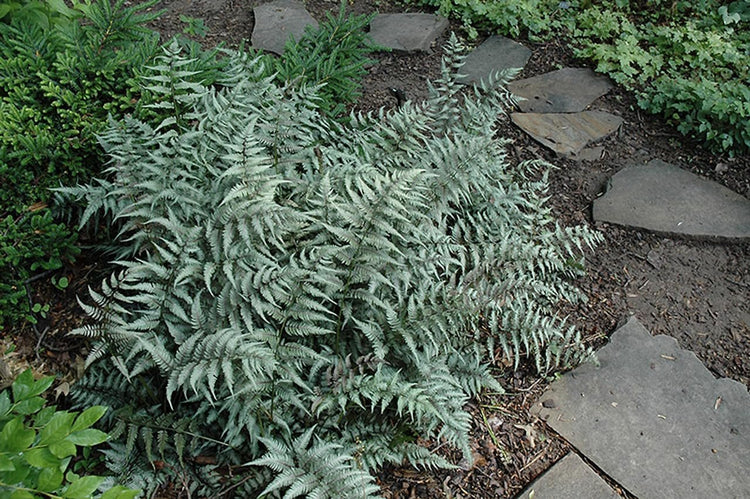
[[494, 54], [407, 32], [654, 419], [567, 90], [276, 21], [663, 198], [567, 133], [570, 478]]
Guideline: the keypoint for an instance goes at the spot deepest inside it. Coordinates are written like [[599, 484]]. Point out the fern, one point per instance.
[[309, 296], [317, 470]]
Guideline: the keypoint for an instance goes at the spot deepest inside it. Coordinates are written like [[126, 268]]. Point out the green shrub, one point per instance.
[[684, 63], [37, 443], [333, 56], [512, 17], [62, 71], [298, 299], [29, 244]]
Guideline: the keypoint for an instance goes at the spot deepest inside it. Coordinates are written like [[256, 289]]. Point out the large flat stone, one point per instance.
[[654, 419], [276, 21], [664, 198], [567, 90], [569, 478], [407, 32], [495, 53], [567, 133]]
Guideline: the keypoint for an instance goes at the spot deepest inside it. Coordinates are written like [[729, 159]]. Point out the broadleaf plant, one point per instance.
[[38, 442], [298, 299]]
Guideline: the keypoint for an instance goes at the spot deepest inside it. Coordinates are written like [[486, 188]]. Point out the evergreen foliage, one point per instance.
[[333, 55], [298, 299], [62, 70]]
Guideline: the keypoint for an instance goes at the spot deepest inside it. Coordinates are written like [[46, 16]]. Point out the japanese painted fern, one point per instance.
[[297, 299]]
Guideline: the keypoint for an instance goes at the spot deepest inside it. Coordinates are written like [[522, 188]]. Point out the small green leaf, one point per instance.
[[44, 416], [83, 487], [23, 385], [21, 494], [41, 457], [63, 448], [29, 406], [50, 479], [18, 475], [88, 417], [58, 428], [4, 404], [120, 492], [88, 437], [6, 464], [41, 386], [15, 437]]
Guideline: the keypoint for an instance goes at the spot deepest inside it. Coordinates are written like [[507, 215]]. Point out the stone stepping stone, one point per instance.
[[570, 477], [495, 53], [664, 198], [407, 32], [567, 90], [276, 21], [567, 133], [654, 419], [589, 154]]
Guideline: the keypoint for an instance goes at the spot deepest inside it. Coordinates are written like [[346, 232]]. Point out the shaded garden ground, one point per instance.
[[695, 291]]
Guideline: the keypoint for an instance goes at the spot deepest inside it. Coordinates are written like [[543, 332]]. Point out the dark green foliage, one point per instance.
[[29, 245], [62, 71], [37, 443], [689, 64], [333, 56], [685, 60], [298, 299]]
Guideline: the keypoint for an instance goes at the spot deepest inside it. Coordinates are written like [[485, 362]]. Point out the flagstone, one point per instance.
[[570, 478], [664, 198], [408, 32], [567, 133], [495, 53], [567, 90], [277, 21], [654, 419]]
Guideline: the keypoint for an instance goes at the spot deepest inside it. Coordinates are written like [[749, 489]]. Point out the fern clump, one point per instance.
[[298, 299]]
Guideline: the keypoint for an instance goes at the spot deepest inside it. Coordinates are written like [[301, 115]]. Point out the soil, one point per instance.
[[695, 291]]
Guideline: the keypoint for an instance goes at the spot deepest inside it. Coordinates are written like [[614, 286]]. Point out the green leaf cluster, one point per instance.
[[63, 69], [29, 244], [687, 61], [511, 17], [298, 298], [333, 56], [37, 443]]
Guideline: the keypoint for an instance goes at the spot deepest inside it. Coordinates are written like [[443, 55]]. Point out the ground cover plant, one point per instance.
[[62, 70], [38, 443], [687, 61], [300, 301]]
